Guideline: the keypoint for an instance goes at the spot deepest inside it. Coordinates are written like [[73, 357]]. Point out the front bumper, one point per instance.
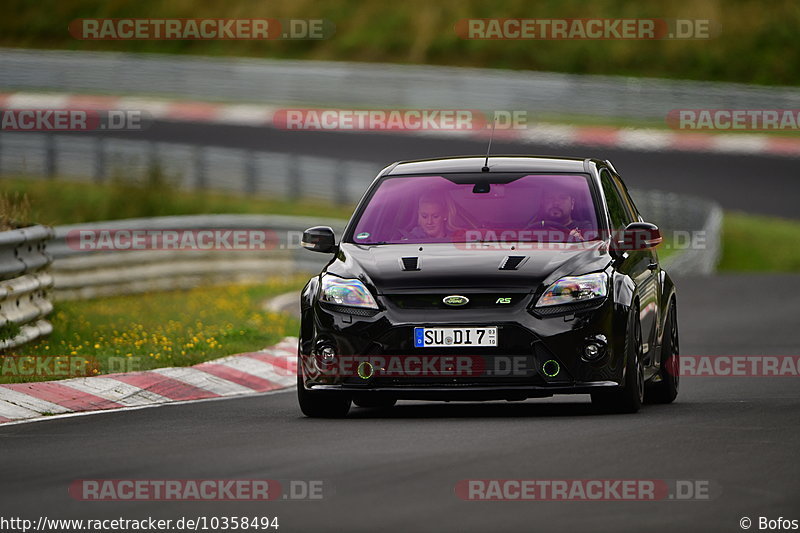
[[530, 341], [467, 392]]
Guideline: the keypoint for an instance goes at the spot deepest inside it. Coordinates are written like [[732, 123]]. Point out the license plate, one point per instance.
[[454, 337]]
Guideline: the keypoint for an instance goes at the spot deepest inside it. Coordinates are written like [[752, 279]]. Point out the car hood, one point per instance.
[[400, 267]]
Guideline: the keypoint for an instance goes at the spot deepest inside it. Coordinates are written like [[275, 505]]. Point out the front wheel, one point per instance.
[[666, 389], [321, 404], [627, 398]]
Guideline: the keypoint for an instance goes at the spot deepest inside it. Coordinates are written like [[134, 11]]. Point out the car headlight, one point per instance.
[[571, 289], [350, 292]]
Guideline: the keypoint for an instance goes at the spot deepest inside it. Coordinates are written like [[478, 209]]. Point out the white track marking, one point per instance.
[[747, 144], [254, 367], [115, 391], [204, 380], [248, 115], [37, 101], [645, 139], [9, 410], [30, 402]]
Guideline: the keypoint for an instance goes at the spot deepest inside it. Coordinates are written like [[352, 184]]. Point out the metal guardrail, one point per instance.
[[189, 167], [692, 225], [375, 85], [80, 274], [24, 285]]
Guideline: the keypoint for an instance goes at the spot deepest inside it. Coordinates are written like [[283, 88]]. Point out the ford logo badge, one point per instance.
[[455, 300]]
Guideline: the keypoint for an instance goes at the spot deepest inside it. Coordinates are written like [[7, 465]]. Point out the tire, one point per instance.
[[373, 400], [666, 390], [627, 398], [321, 404]]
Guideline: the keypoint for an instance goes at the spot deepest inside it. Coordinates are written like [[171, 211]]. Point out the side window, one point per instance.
[[616, 209], [626, 198]]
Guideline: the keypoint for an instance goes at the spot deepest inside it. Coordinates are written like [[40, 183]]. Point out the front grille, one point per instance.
[[476, 301]]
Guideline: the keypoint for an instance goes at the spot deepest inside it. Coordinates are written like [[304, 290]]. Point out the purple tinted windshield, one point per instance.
[[426, 209]]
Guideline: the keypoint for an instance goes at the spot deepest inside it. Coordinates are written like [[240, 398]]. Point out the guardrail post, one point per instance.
[[295, 180], [340, 182], [250, 177], [199, 168], [50, 156], [99, 159], [152, 153]]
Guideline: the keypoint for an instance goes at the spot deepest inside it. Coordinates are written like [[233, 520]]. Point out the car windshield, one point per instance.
[[428, 209]]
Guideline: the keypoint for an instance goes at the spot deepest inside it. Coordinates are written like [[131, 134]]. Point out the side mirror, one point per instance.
[[319, 239], [638, 236]]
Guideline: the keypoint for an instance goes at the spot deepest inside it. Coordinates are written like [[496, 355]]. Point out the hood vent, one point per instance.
[[513, 262], [409, 263]]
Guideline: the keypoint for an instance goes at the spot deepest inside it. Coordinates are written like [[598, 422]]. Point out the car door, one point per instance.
[[637, 264], [652, 314]]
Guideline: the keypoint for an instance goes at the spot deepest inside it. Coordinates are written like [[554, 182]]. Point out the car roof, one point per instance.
[[497, 163]]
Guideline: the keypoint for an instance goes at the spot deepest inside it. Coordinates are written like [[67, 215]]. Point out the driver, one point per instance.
[[433, 212], [557, 208]]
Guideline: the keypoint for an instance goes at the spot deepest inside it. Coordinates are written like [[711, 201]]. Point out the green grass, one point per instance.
[[757, 42], [666, 248], [140, 332], [754, 243], [57, 202]]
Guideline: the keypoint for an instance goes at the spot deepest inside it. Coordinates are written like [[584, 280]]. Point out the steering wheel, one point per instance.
[[552, 224], [401, 234]]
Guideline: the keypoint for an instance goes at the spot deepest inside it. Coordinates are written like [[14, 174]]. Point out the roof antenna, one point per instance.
[[489, 148]]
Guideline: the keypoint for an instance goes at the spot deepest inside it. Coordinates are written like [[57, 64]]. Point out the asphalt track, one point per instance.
[[759, 184], [396, 470]]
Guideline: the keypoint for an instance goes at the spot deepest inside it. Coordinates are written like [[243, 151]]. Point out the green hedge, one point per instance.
[[757, 44]]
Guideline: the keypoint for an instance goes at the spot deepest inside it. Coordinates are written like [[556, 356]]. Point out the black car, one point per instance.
[[486, 279]]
